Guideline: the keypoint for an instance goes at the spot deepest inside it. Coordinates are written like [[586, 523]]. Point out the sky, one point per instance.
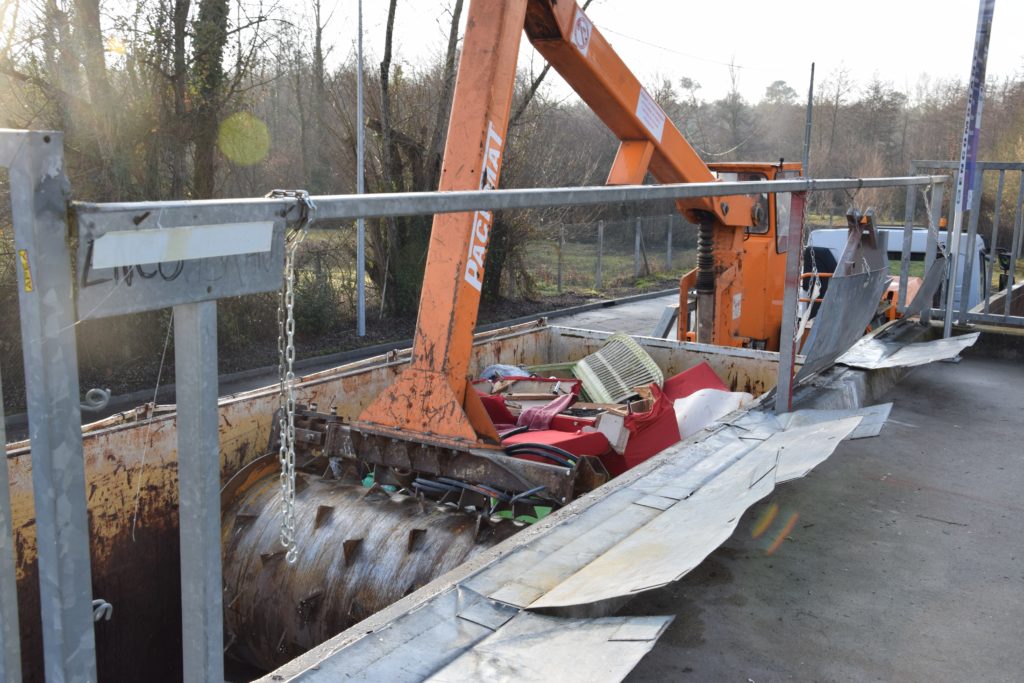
[[897, 40]]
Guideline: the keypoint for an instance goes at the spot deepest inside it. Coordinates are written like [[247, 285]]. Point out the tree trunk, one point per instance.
[[179, 81], [319, 182], [435, 149], [211, 32]]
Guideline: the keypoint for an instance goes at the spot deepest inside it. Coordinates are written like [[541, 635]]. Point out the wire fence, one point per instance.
[[604, 254]]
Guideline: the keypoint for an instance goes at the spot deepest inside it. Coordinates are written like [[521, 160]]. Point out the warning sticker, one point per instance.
[[582, 29], [648, 111], [737, 305], [23, 255]]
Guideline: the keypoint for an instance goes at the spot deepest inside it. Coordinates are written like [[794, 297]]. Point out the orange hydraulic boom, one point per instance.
[[432, 401]]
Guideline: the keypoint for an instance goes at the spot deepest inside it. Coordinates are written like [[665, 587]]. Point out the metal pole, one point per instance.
[[202, 617], [636, 249], [908, 234], [38, 192], [10, 644], [968, 153], [994, 241], [561, 248], [807, 127], [934, 214], [790, 297], [600, 254], [963, 276], [360, 186], [1018, 231], [668, 243]]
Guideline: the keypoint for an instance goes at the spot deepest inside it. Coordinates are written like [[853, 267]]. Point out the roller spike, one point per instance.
[[351, 549], [308, 606], [274, 555], [323, 513], [414, 537]]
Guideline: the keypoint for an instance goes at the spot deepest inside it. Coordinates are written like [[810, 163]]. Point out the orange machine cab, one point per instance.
[[750, 265]]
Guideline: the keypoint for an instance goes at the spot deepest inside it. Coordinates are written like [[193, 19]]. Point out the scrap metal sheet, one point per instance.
[[849, 305], [677, 540], [925, 295], [536, 649], [648, 532], [415, 647], [874, 354]]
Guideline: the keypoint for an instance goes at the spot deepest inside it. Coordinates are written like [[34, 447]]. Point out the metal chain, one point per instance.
[[286, 371]]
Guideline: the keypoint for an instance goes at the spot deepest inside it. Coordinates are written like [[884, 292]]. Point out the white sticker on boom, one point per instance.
[[648, 111], [737, 305], [582, 29]]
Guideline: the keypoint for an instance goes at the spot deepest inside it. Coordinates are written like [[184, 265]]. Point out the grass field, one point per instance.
[[579, 265]]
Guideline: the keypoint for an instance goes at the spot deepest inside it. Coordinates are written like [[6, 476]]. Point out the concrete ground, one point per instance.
[[905, 561], [639, 317]]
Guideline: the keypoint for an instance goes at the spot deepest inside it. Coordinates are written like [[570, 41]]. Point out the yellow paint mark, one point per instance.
[[23, 255], [766, 520], [790, 523]]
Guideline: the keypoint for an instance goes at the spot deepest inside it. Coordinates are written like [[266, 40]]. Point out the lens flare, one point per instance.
[[790, 523], [765, 521], [115, 46], [244, 139]]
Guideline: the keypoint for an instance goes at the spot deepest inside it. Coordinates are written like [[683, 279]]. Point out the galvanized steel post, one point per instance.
[[966, 281], [790, 299], [968, 155], [934, 216], [10, 645], [39, 192], [195, 365], [990, 267], [908, 235]]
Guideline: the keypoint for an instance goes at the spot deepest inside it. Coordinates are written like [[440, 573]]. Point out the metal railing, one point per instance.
[[48, 316], [997, 297]]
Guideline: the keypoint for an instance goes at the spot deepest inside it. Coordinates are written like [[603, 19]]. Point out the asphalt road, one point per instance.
[[905, 561]]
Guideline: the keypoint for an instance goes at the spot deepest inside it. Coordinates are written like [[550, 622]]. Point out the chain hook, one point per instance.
[[286, 366]]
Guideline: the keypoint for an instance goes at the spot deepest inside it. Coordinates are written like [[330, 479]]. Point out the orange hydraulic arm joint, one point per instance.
[[567, 38], [432, 401]]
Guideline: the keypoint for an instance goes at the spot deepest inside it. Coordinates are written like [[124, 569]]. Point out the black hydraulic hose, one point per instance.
[[557, 459], [544, 447], [513, 432]]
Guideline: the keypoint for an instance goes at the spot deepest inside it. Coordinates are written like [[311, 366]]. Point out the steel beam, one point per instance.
[[10, 645], [39, 192], [346, 207], [195, 365], [790, 297]]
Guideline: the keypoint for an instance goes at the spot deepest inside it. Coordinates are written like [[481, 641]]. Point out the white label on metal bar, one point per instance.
[[650, 114], [582, 29], [160, 245]]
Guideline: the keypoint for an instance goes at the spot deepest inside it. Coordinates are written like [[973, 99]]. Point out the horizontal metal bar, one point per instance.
[[335, 207], [984, 318], [982, 165]]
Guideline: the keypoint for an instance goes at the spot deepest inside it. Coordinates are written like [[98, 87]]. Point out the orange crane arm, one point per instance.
[[432, 401], [569, 41]]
